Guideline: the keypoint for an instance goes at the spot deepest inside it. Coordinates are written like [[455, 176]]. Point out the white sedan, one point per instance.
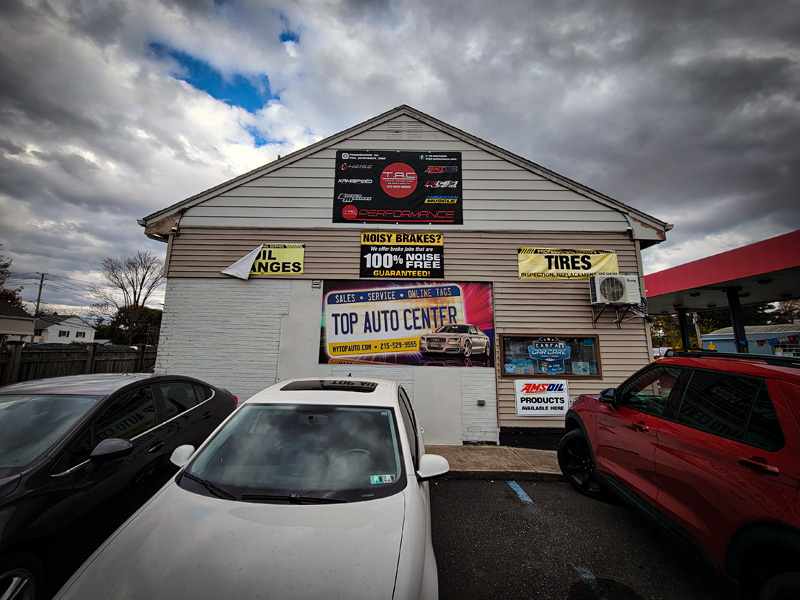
[[313, 488]]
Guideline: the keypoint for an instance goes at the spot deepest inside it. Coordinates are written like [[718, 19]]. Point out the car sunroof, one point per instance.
[[350, 385]]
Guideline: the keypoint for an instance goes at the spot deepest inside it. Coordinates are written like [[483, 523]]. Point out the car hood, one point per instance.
[[182, 545]]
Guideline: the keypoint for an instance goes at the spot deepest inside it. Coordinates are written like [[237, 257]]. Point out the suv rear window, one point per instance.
[[731, 406]]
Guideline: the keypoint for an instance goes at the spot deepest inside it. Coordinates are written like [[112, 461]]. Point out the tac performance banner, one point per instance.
[[558, 263], [402, 255], [421, 323], [397, 187]]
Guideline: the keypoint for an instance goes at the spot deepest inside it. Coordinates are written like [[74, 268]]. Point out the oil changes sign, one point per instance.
[[383, 323], [397, 187], [541, 397], [558, 263], [279, 259], [402, 255]]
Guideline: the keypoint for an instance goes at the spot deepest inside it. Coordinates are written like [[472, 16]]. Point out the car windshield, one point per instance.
[[453, 329], [300, 453], [30, 424]]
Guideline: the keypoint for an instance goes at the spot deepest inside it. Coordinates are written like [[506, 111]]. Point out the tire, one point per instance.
[[785, 586], [577, 464], [21, 577], [467, 348]]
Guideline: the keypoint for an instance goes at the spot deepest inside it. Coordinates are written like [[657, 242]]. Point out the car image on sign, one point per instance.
[[456, 339]]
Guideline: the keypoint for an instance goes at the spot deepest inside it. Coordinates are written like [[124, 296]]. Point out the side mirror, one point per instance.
[[432, 465], [110, 449], [609, 395], [181, 455]]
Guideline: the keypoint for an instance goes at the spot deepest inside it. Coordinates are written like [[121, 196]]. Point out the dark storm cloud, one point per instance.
[[689, 111]]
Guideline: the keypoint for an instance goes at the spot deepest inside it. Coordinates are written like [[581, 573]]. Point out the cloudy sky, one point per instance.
[[113, 109]]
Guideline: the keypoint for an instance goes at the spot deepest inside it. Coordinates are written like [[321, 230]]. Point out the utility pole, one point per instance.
[[39, 297]]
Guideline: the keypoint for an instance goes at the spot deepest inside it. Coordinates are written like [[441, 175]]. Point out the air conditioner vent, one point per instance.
[[614, 289]]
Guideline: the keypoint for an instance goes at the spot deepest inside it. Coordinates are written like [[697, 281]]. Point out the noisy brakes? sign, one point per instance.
[[402, 255]]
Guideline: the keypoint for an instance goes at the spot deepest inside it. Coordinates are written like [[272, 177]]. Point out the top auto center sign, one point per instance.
[[398, 187]]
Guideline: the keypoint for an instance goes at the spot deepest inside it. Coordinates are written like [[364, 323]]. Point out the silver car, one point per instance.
[[456, 339]]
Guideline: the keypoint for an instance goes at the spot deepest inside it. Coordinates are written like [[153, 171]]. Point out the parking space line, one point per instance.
[[591, 581], [520, 492]]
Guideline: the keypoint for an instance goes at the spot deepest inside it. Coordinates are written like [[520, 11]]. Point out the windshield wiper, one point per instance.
[[217, 491], [291, 499]]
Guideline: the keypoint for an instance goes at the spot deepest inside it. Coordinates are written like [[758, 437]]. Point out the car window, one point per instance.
[[650, 391], [410, 424], [179, 396], [30, 424], [270, 452], [127, 416], [202, 392], [718, 403], [763, 428]]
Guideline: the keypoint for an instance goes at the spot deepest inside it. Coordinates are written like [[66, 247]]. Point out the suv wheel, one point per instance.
[[785, 586], [577, 464]]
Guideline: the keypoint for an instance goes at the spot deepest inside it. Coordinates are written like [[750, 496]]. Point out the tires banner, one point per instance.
[[397, 187], [559, 263], [402, 255], [421, 323]]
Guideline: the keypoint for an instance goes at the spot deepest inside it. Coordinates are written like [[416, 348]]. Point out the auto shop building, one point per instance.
[[407, 249]]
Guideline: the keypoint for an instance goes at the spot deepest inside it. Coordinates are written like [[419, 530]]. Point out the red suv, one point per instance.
[[708, 446]]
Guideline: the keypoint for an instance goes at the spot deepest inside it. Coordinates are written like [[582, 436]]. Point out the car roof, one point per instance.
[[100, 384], [336, 391], [743, 364]]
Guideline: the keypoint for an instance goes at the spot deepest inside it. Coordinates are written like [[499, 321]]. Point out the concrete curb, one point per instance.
[[503, 476]]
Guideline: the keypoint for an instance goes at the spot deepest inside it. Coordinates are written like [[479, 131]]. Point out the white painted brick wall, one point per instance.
[[227, 332], [224, 331], [479, 423]]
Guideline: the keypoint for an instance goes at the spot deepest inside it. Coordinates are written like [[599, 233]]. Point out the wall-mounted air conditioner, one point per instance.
[[614, 289]]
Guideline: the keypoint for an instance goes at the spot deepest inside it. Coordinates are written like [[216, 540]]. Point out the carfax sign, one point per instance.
[[541, 398], [402, 255], [385, 323], [560, 263], [397, 187]]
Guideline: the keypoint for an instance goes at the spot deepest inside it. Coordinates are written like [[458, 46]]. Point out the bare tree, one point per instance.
[[134, 278]]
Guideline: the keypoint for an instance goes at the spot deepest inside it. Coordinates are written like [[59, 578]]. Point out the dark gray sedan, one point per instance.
[[69, 443]]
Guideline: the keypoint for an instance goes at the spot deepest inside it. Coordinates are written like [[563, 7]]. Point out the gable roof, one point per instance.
[[176, 209], [45, 321], [9, 310]]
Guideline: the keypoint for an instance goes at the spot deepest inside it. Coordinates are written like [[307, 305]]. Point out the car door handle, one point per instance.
[[208, 414], [758, 464], [640, 426], [156, 447]]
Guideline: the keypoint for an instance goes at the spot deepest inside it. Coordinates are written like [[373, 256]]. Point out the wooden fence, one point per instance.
[[18, 363]]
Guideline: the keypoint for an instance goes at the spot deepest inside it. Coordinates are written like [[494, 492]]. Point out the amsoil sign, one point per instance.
[[397, 187], [541, 397]]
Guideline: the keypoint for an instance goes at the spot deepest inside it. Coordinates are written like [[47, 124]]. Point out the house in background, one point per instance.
[[15, 323], [779, 340], [55, 329]]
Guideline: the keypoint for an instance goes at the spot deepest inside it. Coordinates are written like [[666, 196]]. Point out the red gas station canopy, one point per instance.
[[767, 271]]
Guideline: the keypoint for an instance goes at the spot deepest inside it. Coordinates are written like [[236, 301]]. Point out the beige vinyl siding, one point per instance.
[[497, 194], [520, 307]]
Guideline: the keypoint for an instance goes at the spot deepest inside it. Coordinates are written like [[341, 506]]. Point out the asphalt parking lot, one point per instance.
[[490, 543]]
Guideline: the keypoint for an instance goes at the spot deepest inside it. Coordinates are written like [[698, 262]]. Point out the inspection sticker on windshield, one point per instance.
[[377, 479]]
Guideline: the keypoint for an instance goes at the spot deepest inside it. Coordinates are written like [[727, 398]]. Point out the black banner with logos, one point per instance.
[[397, 187], [402, 255]]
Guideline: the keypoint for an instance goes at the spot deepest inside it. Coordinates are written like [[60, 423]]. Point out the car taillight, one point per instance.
[[235, 399]]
